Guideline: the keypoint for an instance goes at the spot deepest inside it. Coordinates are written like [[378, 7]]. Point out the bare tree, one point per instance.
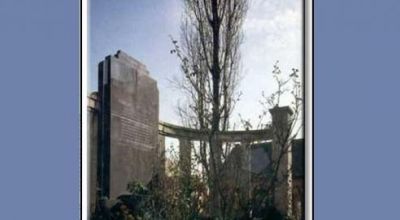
[[210, 60]]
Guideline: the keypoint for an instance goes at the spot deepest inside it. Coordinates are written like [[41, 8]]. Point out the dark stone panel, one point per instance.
[[128, 126]]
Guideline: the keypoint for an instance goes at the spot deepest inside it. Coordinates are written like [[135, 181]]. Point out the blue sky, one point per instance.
[[272, 31]]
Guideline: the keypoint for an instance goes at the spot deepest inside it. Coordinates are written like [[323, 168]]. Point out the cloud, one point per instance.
[[273, 28], [272, 31]]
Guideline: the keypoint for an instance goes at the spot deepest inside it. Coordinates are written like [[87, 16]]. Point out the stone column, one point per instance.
[[185, 157], [282, 154], [246, 180], [160, 157]]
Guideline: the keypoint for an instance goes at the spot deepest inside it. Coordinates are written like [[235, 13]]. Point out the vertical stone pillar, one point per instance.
[[185, 157], [246, 162], [161, 155], [282, 154]]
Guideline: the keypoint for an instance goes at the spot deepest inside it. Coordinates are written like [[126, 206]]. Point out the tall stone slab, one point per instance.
[[128, 124]]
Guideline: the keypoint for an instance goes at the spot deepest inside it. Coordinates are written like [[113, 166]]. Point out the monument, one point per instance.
[[126, 140], [127, 124]]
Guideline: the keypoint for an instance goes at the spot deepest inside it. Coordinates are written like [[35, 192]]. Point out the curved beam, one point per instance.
[[171, 130]]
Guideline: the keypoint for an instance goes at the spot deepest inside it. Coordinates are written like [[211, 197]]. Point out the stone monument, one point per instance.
[[128, 143]]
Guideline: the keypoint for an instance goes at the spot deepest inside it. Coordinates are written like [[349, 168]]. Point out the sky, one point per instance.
[[142, 28]]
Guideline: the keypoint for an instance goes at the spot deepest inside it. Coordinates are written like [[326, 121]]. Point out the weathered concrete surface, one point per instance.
[[128, 128]]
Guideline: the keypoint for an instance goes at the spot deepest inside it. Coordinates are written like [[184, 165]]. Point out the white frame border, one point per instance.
[[308, 47], [309, 115], [84, 80]]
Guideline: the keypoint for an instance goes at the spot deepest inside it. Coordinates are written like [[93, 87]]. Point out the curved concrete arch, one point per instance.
[[171, 130]]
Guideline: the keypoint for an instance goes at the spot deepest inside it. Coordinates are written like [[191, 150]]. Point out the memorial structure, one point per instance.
[[126, 138], [127, 141]]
